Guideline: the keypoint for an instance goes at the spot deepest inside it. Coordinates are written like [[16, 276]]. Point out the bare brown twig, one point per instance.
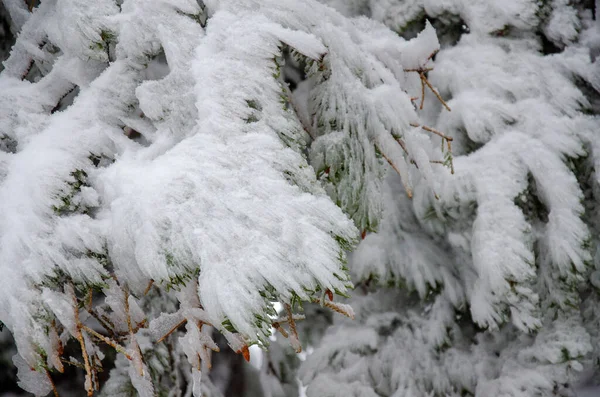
[[422, 70], [54, 391], [108, 341], [434, 131], [408, 189], [292, 325], [79, 337], [173, 329], [437, 94], [148, 287]]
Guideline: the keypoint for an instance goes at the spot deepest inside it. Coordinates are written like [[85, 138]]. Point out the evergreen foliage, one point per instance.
[[490, 290], [159, 178], [405, 189]]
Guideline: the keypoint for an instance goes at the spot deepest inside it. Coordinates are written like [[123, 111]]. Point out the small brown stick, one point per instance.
[[171, 330], [138, 352], [444, 137], [292, 325], [422, 91], [439, 97], [148, 287], [129, 327], [108, 341], [451, 162], [79, 365], [429, 129], [60, 349], [199, 366], [89, 296], [95, 364], [73, 363], [107, 320], [279, 328], [432, 54], [336, 308], [409, 192], [402, 145], [418, 70], [296, 317], [101, 321], [52, 384], [79, 337]]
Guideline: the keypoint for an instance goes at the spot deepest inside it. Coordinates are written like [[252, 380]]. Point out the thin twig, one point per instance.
[[137, 351], [79, 337], [128, 316], [296, 317], [148, 287], [402, 145], [101, 321], [52, 384], [450, 153], [419, 70], [432, 55], [336, 308], [292, 326], [171, 330], [89, 296], [279, 328], [434, 131], [422, 91], [79, 365], [108, 341], [439, 97], [409, 192]]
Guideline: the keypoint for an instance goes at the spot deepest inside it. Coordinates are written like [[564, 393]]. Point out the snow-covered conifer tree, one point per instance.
[[491, 290], [162, 183]]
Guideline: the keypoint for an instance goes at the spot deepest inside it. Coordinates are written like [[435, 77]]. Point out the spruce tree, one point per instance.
[[492, 289], [171, 169]]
